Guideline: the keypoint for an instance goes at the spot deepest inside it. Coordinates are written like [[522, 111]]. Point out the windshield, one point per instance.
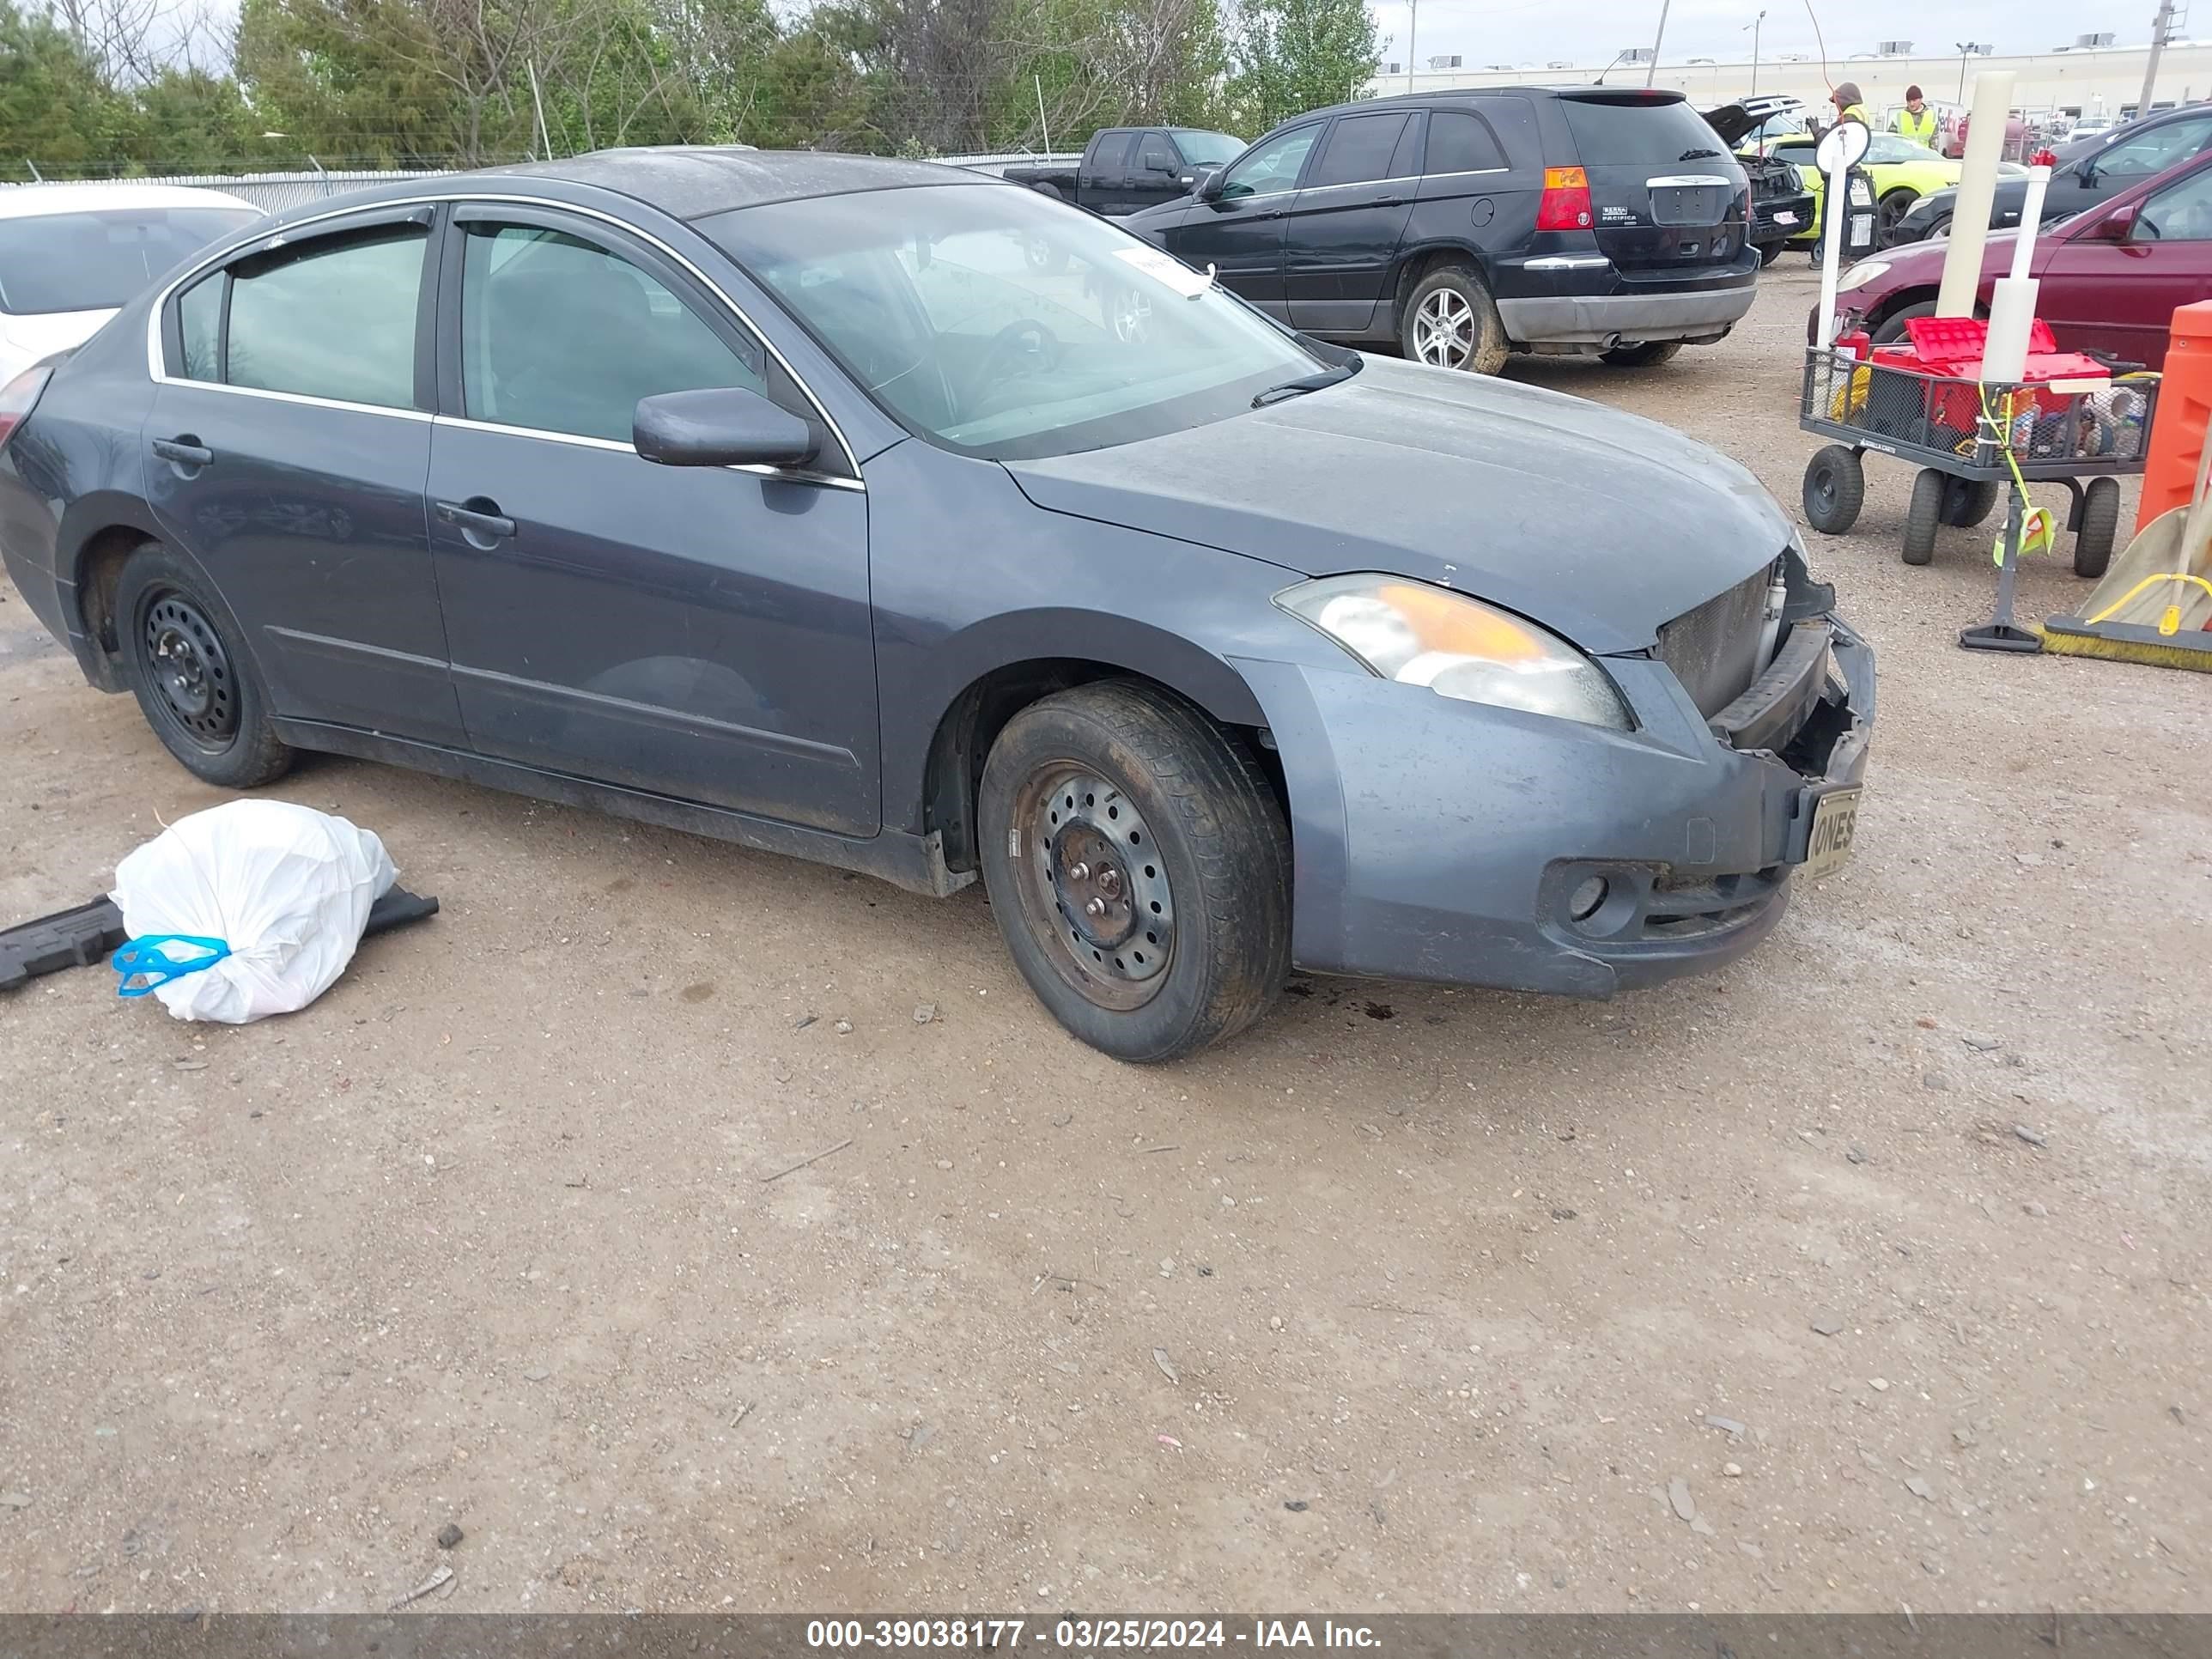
[[996, 323], [1208, 150], [96, 260]]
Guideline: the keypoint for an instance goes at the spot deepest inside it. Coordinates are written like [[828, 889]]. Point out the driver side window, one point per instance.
[[1273, 167], [2180, 213], [2152, 151]]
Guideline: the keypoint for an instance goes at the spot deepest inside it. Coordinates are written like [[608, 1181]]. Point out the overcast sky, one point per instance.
[[1591, 31]]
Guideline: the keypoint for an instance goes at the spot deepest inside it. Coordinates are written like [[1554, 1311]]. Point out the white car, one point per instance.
[[71, 255]]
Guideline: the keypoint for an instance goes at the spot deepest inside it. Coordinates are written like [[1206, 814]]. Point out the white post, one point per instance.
[[1413, 40], [2031, 221], [538, 104], [1043, 125], [1652, 68], [1977, 191], [2161, 26], [1837, 210]]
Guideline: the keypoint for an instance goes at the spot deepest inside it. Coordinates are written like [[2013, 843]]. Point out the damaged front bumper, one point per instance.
[[1471, 845]]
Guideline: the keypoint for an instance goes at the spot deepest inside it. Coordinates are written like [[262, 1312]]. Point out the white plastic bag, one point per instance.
[[285, 888]]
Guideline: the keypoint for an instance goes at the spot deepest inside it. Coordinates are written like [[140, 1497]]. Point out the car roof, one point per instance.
[[34, 201], [690, 182], [1451, 95]]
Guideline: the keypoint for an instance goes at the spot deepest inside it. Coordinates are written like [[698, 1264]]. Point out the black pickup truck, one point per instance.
[[1125, 168]]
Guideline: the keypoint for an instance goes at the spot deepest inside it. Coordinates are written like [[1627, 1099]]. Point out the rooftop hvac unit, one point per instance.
[[1452, 61], [1793, 58], [1893, 49], [1638, 55], [1504, 68], [1560, 62], [2091, 41], [1394, 69]]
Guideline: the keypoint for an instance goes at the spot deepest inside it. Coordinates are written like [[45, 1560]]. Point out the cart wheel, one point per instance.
[[1835, 489], [1968, 501], [2100, 523], [1924, 514]]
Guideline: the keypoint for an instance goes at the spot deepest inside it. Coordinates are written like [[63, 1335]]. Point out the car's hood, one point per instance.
[[1598, 525]]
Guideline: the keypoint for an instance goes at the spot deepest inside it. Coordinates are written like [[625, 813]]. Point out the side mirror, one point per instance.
[[2114, 227], [1209, 184], [719, 426], [1156, 165]]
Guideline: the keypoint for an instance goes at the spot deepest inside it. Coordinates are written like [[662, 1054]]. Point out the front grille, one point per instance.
[[1714, 649]]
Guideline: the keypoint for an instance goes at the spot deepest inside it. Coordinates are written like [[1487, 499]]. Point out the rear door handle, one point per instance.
[[1389, 201], [476, 519], [184, 452]]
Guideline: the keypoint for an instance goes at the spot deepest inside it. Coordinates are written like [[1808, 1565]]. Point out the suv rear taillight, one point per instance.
[[1567, 202], [17, 399]]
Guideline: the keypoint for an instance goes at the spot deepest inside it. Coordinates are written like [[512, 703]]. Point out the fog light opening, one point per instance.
[[1586, 899]]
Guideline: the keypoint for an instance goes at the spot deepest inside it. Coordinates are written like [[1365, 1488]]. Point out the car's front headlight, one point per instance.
[[1460, 647], [1861, 274]]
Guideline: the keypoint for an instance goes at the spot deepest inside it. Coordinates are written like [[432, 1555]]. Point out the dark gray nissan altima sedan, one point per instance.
[[895, 517]]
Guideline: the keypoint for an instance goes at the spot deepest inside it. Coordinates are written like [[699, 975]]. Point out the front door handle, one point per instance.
[[478, 520], [183, 450], [1389, 201]]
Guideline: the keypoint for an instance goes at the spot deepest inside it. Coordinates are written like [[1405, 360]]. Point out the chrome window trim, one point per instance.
[[583, 441], [1469, 173], [1686, 181], [308, 398], [157, 367], [1366, 184]]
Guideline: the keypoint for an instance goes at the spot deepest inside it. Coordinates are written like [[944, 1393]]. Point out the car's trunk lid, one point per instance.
[[1665, 193]]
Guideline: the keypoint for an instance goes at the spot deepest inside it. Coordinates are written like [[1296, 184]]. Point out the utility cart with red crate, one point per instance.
[[2071, 419]]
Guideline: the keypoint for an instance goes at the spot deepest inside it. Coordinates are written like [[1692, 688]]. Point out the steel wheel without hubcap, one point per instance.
[[1094, 889], [1443, 329], [192, 676]]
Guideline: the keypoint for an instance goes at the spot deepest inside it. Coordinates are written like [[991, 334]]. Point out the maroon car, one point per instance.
[[2111, 276]]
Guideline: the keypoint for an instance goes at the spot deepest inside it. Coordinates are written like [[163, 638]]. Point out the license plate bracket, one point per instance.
[[1834, 827]]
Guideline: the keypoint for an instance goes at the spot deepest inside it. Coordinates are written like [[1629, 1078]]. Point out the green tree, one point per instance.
[[1290, 56], [55, 111]]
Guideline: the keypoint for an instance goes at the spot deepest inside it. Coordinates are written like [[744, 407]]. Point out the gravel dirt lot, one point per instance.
[[1874, 1273]]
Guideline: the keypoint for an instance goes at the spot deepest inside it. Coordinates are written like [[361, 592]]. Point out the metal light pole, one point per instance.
[[1413, 40], [1753, 26], [2161, 26], [1652, 68]]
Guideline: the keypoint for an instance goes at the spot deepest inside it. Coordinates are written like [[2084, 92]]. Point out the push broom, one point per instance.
[[2155, 605]]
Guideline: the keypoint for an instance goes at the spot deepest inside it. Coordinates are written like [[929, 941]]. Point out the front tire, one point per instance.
[[1893, 326], [2100, 527], [1139, 869], [1890, 212], [1649, 355], [1451, 322], [182, 658], [1922, 516]]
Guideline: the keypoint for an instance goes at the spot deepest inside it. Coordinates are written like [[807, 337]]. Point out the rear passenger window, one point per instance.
[[1112, 156], [1359, 149], [560, 336], [332, 320], [1460, 143], [199, 317]]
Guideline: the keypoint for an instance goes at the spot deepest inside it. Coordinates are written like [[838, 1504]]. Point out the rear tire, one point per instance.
[[1139, 869], [1835, 489], [1922, 518], [1893, 326], [1968, 501], [1451, 322], [2100, 525], [1649, 355], [183, 658]]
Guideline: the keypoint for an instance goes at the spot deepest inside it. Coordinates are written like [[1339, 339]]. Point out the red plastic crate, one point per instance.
[[1940, 342]]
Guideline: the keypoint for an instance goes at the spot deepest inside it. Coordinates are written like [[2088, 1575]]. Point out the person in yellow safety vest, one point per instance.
[[1845, 98], [1916, 121]]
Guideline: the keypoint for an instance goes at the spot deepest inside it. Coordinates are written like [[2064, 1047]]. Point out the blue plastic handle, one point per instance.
[[144, 964]]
